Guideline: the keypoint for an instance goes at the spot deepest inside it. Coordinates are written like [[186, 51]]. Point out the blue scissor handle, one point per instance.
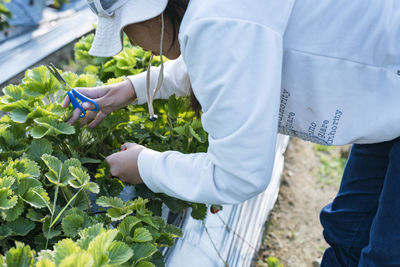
[[75, 104]]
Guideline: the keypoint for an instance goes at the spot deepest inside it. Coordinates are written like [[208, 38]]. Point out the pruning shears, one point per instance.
[[73, 94]]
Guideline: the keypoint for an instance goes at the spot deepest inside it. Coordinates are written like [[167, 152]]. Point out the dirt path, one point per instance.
[[293, 232]]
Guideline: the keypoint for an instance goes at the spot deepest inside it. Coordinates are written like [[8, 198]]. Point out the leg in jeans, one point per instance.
[[347, 220], [384, 244]]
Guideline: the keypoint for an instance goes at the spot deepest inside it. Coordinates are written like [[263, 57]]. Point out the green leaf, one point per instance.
[[102, 241], [64, 128], [25, 184], [109, 187], [20, 114], [92, 231], [93, 187], [71, 224], [114, 80], [88, 234], [183, 130], [158, 259], [127, 224], [13, 213], [53, 178], [110, 202], [126, 59], [7, 181], [38, 132], [20, 104], [16, 92], [64, 248], [149, 220], [173, 230], [143, 251], [99, 245], [48, 232], [155, 233], [145, 264], [137, 204], [45, 263], [53, 111], [81, 259], [39, 81], [90, 160], [65, 175], [119, 253], [175, 205], [70, 78], [91, 69], [7, 199], [5, 231], [86, 80], [199, 211], [20, 256], [38, 148], [56, 126], [53, 163], [37, 198], [46, 254], [110, 65], [34, 215], [27, 166], [21, 226], [81, 177], [82, 200], [155, 206], [172, 108], [117, 214], [165, 240], [142, 235], [195, 135], [120, 209]]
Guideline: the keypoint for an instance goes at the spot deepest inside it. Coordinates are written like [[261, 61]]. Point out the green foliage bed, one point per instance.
[[58, 204]]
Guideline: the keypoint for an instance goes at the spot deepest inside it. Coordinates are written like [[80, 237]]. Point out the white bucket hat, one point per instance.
[[113, 16]]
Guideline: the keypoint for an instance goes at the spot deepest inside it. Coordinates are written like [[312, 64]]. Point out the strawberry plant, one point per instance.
[[49, 169], [56, 195], [132, 60], [177, 128]]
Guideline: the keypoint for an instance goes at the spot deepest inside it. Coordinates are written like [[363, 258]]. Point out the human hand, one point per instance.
[[108, 97], [124, 164]]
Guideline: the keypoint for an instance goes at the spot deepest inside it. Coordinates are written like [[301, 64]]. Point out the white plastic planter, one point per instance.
[[234, 233]]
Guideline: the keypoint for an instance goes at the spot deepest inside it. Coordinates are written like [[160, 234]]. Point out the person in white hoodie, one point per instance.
[[324, 71]]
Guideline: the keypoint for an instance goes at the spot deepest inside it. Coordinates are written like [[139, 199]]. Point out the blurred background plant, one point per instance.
[[5, 15]]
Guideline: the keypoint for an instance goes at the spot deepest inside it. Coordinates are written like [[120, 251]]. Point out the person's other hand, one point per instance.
[[124, 164], [108, 98]]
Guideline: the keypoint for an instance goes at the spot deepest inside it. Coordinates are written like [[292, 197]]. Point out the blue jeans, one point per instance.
[[362, 224]]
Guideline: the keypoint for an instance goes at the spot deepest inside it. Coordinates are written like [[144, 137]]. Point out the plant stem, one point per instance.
[[66, 206], [215, 248], [236, 234], [47, 205], [172, 127], [54, 205]]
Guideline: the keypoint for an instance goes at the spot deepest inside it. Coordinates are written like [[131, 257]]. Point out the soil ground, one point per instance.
[[310, 180]]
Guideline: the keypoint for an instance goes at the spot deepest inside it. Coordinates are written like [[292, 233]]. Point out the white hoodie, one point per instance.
[[325, 71]]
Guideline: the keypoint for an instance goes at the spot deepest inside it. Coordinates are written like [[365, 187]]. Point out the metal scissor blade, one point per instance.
[[56, 74]]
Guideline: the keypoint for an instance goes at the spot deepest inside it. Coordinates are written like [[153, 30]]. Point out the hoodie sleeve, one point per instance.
[[235, 70], [175, 81]]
